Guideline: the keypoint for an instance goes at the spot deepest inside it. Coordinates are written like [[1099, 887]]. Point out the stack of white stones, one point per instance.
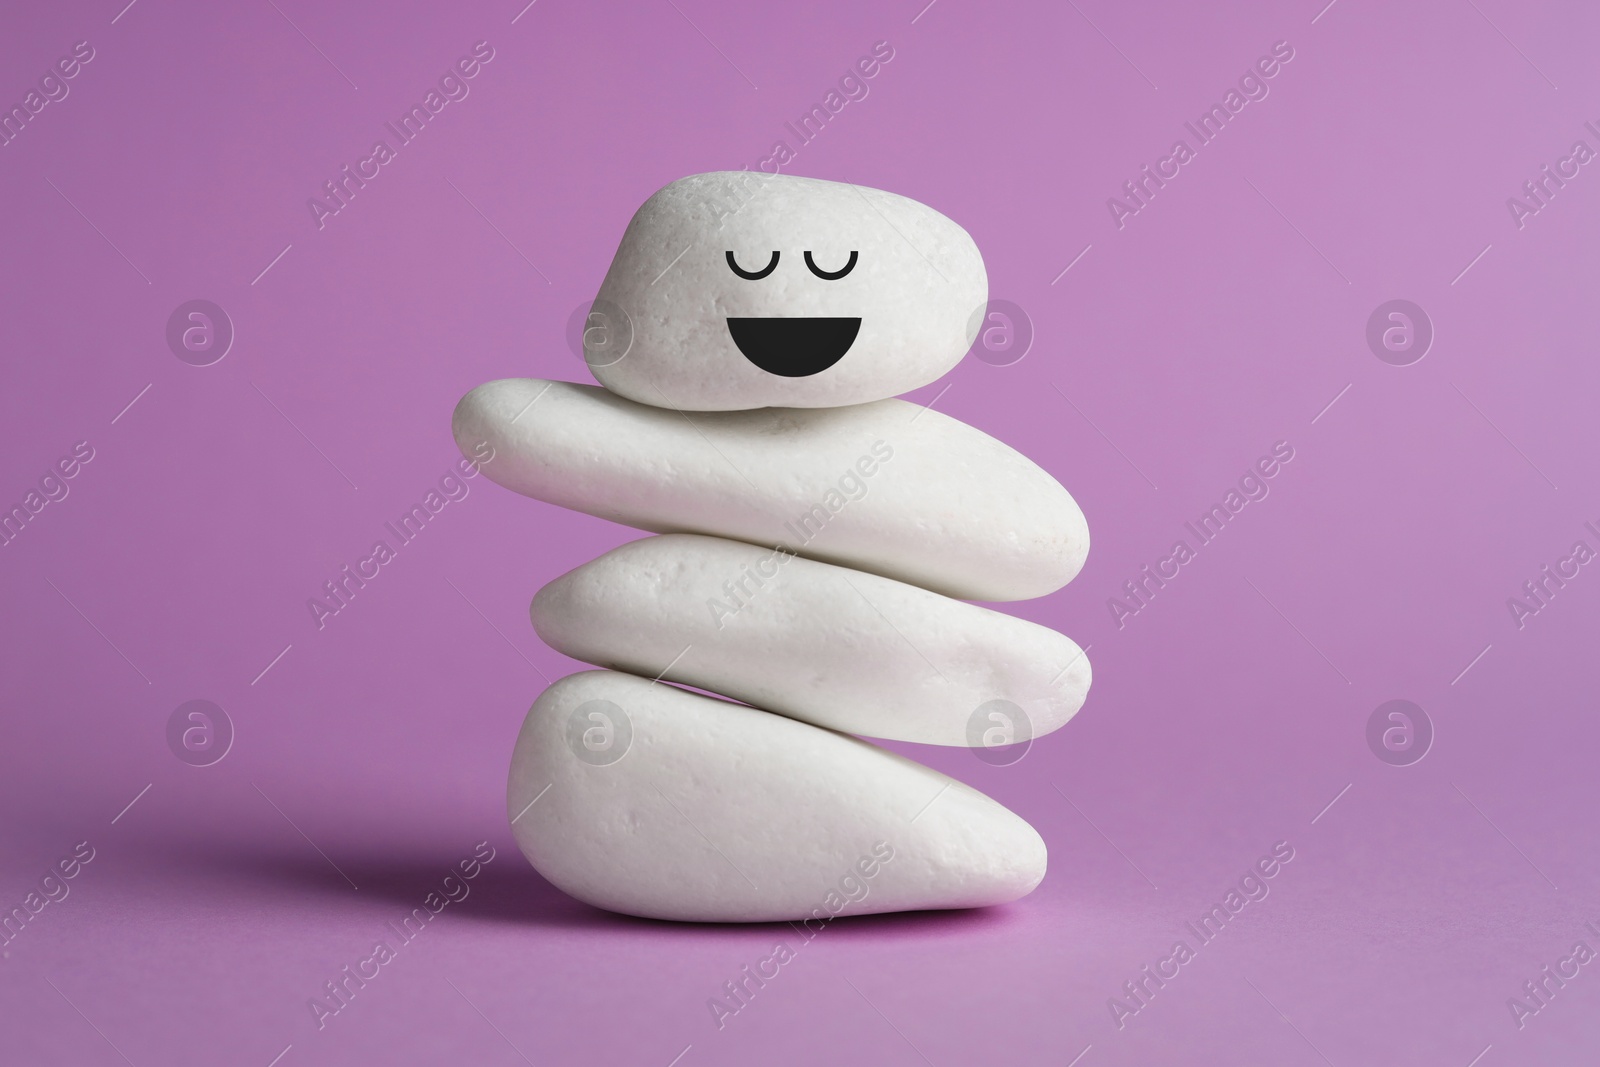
[[814, 536]]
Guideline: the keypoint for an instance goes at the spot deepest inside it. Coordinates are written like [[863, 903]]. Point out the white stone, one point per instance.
[[887, 487], [663, 334], [834, 647], [717, 812]]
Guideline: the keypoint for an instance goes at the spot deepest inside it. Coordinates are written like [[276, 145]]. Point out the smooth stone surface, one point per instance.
[[665, 336], [722, 813], [888, 487], [834, 647]]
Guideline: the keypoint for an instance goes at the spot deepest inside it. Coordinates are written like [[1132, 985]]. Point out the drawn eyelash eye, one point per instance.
[[757, 275], [825, 275]]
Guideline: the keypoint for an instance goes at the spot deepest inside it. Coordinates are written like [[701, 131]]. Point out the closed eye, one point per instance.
[[825, 275], [757, 275]]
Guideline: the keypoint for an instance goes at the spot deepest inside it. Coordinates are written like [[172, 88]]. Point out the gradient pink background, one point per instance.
[[1195, 337]]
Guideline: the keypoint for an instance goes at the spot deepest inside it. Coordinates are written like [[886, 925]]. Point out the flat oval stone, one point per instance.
[[738, 290], [834, 647], [888, 487], [642, 798]]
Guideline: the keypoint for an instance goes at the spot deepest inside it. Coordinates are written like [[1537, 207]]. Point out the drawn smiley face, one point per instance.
[[793, 346], [732, 291]]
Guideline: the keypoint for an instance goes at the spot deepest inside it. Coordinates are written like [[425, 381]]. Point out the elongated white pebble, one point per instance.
[[739, 290], [642, 798], [834, 647], [888, 487]]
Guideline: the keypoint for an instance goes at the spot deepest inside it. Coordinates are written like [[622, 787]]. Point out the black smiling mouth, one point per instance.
[[794, 347]]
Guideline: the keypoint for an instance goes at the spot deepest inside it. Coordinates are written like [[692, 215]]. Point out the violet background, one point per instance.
[[1195, 337]]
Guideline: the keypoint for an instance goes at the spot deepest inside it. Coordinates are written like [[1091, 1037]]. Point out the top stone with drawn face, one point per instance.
[[737, 290]]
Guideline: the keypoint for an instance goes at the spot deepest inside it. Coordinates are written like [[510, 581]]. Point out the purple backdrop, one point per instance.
[[1177, 338]]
